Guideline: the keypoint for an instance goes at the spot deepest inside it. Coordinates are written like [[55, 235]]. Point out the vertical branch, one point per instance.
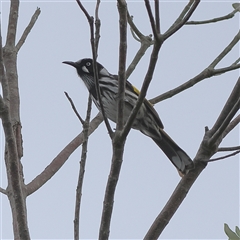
[[82, 170], [12, 23], [117, 143], [97, 26], [157, 16], [151, 18], [12, 128], [122, 8]]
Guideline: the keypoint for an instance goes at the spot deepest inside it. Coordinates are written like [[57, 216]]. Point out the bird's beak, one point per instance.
[[70, 63]]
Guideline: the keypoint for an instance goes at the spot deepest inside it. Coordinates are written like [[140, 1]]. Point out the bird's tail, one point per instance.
[[176, 155]]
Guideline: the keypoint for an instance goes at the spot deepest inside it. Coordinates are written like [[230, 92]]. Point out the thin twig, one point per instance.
[[133, 26], [218, 134], [231, 125], [82, 170], [3, 191], [225, 149], [223, 157], [147, 80], [151, 19], [226, 50], [146, 42], [74, 108], [97, 26], [227, 113], [213, 20], [28, 29], [180, 22]]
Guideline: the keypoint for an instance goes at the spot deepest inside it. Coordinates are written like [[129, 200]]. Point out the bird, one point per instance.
[[147, 120]]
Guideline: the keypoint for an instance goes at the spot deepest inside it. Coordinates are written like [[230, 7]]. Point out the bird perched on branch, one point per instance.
[[147, 120]]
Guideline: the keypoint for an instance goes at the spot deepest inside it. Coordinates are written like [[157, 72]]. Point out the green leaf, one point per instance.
[[231, 235]]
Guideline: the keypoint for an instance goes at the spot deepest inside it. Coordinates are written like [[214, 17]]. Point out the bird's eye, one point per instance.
[[88, 64]]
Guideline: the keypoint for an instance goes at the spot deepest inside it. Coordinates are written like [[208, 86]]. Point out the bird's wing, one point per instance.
[[148, 105]]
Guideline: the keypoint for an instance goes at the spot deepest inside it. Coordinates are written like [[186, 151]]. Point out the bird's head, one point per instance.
[[85, 67]]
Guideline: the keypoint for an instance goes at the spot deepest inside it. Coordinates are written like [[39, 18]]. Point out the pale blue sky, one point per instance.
[[147, 178]]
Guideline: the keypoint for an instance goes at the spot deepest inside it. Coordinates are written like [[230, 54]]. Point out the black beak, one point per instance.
[[70, 63]]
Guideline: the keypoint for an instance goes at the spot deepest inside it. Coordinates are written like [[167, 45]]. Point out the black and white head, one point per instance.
[[84, 69]]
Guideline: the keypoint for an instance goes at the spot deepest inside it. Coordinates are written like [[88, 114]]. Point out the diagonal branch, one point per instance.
[[61, 158], [218, 134], [231, 126], [3, 191], [151, 19], [224, 157], [228, 111], [226, 50], [184, 16], [74, 108], [206, 73], [174, 201], [146, 42], [28, 29]]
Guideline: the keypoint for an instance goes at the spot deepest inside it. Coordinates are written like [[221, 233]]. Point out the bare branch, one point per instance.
[[175, 200], [225, 69], [3, 191], [133, 26], [146, 42], [12, 24], [74, 108], [82, 169], [231, 125], [118, 144], [147, 80], [224, 157], [122, 9], [28, 29], [225, 149], [183, 18], [206, 73], [190, 83], [3, 76], [237, 61], [61, 158], [229, 110], [213, 20], [157, 16], [89, 18], [226, 50], [151, 19], [97, 26]]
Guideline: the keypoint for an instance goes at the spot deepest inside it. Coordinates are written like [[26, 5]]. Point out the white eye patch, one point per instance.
[[85, 69], [104, 72]]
